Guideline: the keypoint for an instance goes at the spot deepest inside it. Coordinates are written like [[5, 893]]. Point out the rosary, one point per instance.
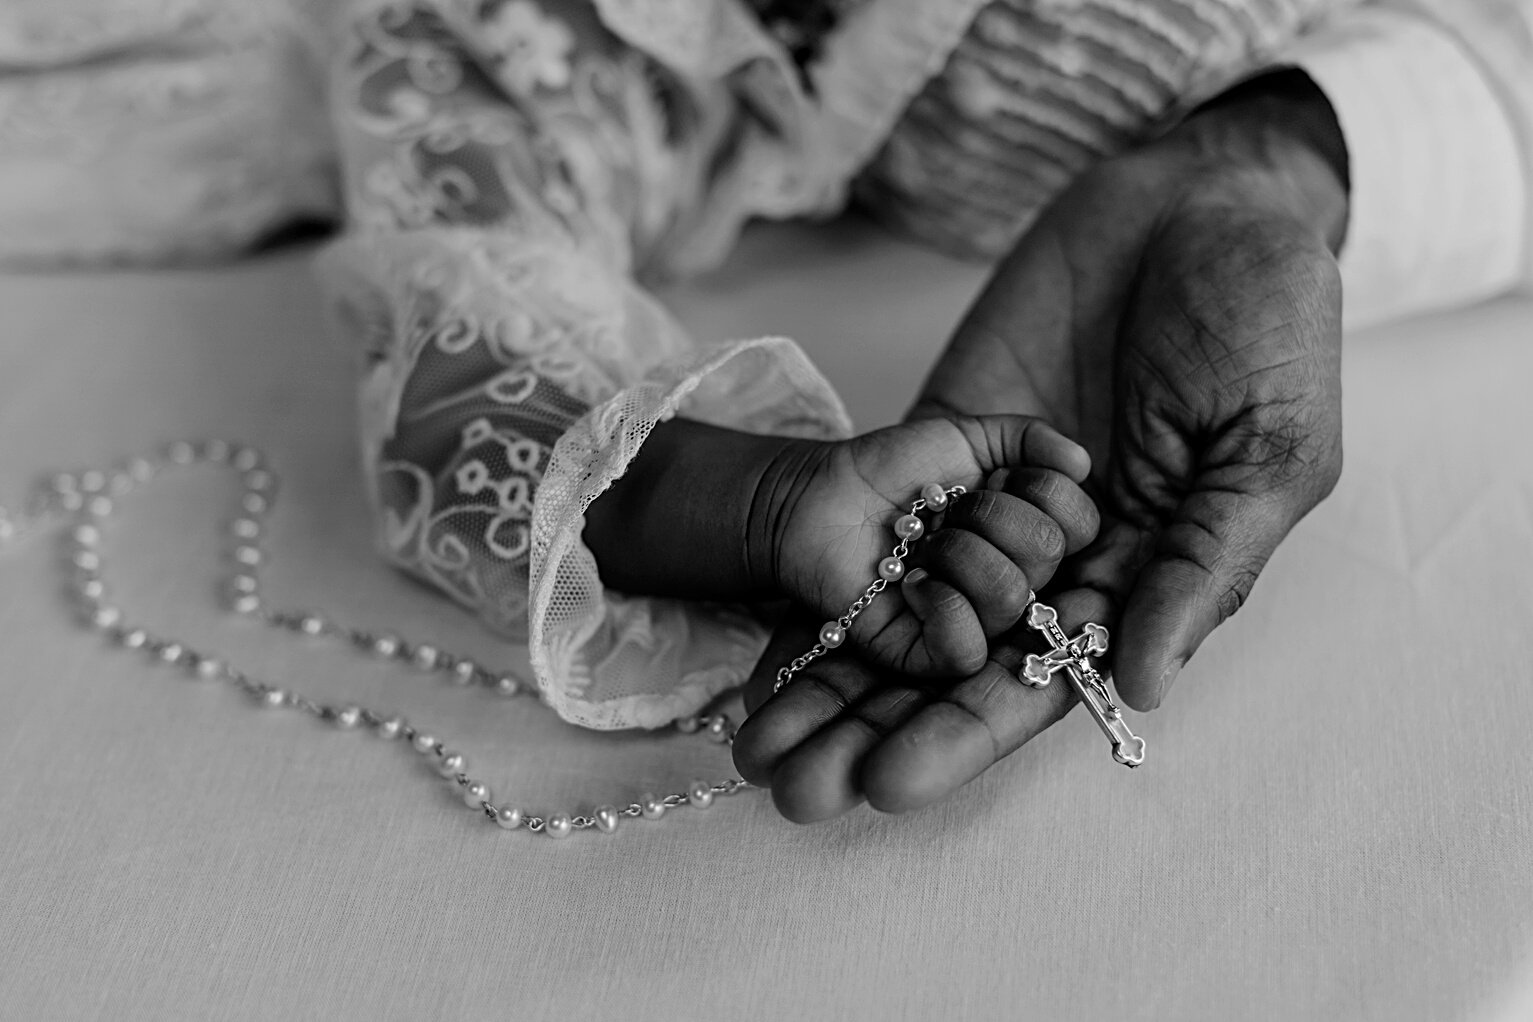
[[89, 498]]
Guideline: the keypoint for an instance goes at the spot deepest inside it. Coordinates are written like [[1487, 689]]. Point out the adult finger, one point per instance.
[[1203, 567]]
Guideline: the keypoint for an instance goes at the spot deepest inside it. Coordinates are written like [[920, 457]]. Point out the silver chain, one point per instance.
[[89, 498]]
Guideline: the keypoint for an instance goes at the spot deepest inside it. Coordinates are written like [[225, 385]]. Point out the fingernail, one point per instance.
[[915, 576], [1167, 680]]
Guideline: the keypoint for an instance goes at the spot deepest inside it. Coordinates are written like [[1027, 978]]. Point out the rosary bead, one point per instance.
[[464, 672], [100, 507], [273, 697], [425, 657], [140, 470], [558, 825], [311, 624], [453, 763], [718, 727], [386, 645], [134, 638], [105, 617], [258, 480], [508, 817], [245, 458], [606, 818], [348, 717], [687, 725], [216, 450], [390, 728], [832, 634], [909, 527], [181, 453], [700, 794], [209, 669], [92, 481], [244, 583], [247, 603], [650, 807], [934, 495], [245, 528], [507, 686], [92, 588], [172, 652], [424, 744], [86, 560], [475, 794], [86, 535], [255, 504], [248, 555], [891, 569]]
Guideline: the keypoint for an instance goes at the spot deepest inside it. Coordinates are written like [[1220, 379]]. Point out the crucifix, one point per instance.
[[1073, 656]]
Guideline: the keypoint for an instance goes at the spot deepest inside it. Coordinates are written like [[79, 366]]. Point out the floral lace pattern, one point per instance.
[[510, 169]]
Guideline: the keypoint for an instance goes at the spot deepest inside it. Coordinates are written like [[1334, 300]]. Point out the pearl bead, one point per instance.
[[650, 807], [86, 535], [105, 617], [606, 818], [141, 470], [244, 583], [424, 744], [71, 501], [100, 507], [311, 624], [248, 603], [425, 657], [700, 794], [934, 495], [832, 634], [209, 669], [718, 727], [508, 817], [172, 652], [891, 569], [452, 763], [390, 728], [92, 481], [254, 504], [507, 686], [248, 555], [464, 672], [687, 725], [909, 527], [134, 638], [87, 560], [245, 528], [244, 459], [273, 697], [216, 450], [475, 794], [348, 717], [258, 480], [558, 825], [386, 645], [181, 453], [92, 588]]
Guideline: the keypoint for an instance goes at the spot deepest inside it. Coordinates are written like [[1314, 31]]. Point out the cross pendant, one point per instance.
[[1073, 656]]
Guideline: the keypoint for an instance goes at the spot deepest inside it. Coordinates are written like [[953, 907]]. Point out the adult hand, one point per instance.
[[1178, 311]]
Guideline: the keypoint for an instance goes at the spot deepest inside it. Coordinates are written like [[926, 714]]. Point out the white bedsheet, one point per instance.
[[1335, 820]]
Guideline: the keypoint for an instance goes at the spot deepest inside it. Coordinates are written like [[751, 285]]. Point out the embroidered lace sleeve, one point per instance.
[[504, 174]]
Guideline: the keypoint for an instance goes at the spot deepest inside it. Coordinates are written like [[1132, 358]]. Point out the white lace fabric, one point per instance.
[[501, 210]]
